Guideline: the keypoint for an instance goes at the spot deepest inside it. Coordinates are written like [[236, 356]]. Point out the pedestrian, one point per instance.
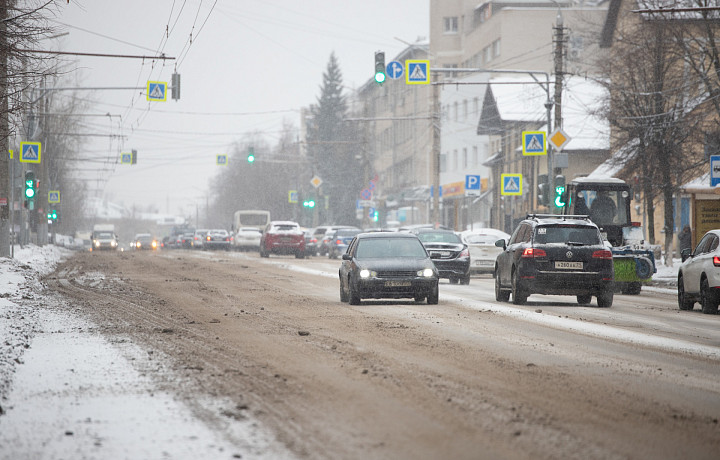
[[685, 238]]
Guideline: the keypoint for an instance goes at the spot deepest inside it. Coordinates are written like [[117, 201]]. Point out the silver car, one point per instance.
[[699, 275]]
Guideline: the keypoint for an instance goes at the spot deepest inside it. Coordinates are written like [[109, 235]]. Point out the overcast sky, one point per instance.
[[251, 65]]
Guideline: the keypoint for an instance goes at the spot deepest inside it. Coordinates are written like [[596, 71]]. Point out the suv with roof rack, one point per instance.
[[555, 254]]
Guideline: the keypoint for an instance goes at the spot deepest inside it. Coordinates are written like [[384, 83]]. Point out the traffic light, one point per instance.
[[175, 88], [251, 155], [309, 203], [543, 190], [30, 189], [560, 191], [379, 67]]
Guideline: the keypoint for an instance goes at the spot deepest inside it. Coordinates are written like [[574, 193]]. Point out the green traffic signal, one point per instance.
[[309, 203], [30, 185], [251, 155], [380, 67]]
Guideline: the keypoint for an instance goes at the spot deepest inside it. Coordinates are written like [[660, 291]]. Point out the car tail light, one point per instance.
[[207, 238], [338, 242], [465, 253], [533, 253], [716, 261], [602, 254]]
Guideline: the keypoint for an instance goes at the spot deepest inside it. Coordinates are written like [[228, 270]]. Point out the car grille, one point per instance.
[[396, 274]]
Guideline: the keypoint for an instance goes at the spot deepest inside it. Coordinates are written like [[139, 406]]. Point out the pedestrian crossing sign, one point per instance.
[[417, 71], [156, 91], [30, 152], [221, 159], [511, 184], [533, 143]]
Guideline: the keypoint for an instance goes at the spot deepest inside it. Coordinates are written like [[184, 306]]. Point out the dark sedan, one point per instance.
[[450, 254], [340, 240], [387, 265]]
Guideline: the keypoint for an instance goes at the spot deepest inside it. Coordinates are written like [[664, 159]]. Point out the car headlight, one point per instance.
[[426, 273], [364, 273]]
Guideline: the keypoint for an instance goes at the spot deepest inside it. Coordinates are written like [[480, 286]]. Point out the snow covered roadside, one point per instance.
[[66, 392]]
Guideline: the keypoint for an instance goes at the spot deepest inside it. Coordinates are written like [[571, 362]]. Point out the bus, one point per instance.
[[251, 218]]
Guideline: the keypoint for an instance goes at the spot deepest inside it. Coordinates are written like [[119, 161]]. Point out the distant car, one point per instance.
[[387, 265], [246, 239], [699, 275], [104, 241], [324, 240], [283, 237], [199, 238], [340, 240], [483, 251], [217, 239], [450, 254], [561, 255], [186, 240], [145, 241]]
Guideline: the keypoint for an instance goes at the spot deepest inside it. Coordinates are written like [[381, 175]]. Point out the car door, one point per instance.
[[698, 263], [346, 265], [508, 257]]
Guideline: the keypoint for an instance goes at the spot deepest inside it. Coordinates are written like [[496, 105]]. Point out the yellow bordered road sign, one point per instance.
[[511, 184], [559, 139], [156, 91], [533, 143], [54, 196], [30, 152], [417, 71], [221, 159]]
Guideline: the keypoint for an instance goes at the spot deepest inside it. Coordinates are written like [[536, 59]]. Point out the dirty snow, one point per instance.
[[66, 392]]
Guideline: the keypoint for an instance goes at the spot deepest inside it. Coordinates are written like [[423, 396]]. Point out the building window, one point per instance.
[[496, 48], [487, 53], [465, 109], [455, 160], [450, 25], [475, 159], [464, 158], [455, 110], [476, 105]]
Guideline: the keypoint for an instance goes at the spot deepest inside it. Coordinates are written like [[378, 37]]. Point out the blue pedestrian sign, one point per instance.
[[714, 170], [54, 196], [394, 70], [126, 158], [511, 184], [30, 152], [417, 71], [533, 143], [221, 159], [156, 91]]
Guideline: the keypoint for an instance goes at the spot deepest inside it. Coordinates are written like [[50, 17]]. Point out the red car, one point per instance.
[[283, 237]]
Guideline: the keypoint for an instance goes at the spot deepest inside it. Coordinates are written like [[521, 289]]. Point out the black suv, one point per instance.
[[551, 254]]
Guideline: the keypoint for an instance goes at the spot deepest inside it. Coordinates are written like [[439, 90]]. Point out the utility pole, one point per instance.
[[436, 150], [559, 41]]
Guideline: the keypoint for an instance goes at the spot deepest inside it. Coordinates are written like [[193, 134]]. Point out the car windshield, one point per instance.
[[482, 239], [375, 248], [104, 235], [572, 234], [343, 233], [439, 237]]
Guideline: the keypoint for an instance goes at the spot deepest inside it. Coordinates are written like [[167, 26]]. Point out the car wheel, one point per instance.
[[264, 253], [343, 295], [299, 255], [684, 302], [434, 297], [605, 298], [584, 299], [419, 297], [518, 294], [500, 294], [465, 280], [453, 280], [708, 299], [354, 296]]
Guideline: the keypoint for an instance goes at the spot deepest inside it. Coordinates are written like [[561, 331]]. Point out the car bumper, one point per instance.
[[482, 266], [286, 248], [396, 289], [566, 283], [453, 268]]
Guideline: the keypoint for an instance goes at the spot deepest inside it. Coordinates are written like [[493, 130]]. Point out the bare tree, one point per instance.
[[653, 113]]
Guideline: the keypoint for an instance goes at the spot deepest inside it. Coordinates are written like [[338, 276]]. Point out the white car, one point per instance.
[[247, 238], [482, 248], [699, 275]]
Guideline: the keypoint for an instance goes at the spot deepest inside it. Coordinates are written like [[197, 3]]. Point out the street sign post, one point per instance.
[[156, 91], [714, 170], [511, 184], [417, 71], [533, 143], [30, 152]]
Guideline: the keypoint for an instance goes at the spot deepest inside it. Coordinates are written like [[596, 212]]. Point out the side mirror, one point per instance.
[[346, 256], [685, 254], [501, 244]]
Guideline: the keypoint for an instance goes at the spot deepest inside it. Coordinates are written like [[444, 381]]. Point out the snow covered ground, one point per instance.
[[66, 392]]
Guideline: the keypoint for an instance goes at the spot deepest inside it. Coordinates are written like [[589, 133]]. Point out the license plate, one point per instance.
[[397, 283], [483, 263], [569, 265]]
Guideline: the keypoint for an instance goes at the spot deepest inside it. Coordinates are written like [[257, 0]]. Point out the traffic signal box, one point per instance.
[[251, 155], [559, 196], [30, 189], [380, 67], [543, 190]]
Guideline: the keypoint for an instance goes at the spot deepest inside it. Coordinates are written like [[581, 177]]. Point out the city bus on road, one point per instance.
[[251, 218]]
